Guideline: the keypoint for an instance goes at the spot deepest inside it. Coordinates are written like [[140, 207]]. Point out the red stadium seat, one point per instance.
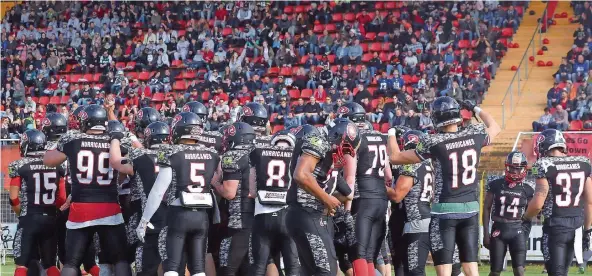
[[286, 71], [507, 32], [463, 44], [226, 31], [299, 9], [144, 76], [158, 97], [370, 36], [389, 5], [64, 99], [277, 128], [130, 65], [576, 125], [177, 63], [179, 85], [288, 10], [384, 127], [120, 65], [88, 77], [273, 117], [75, 78], [54, 100], [350, 17], [294, 93], [306, 93], [318, 29], [376, 47], [273, 71], [44, 100], [331, 28], [366, 57], [132, 75], [337, 17]]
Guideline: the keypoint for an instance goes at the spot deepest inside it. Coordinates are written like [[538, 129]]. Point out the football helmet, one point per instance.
[[186, 125], [547, 140], [239, 133], [255, 115], [515, 168], [54, 125], [343, 137], [73, 119], [156, 133], [303, 130], [145, 116], [196, 107], [411, 139], [93, 117], [285, 136], [32, 143], [445, 111], [354, 112]]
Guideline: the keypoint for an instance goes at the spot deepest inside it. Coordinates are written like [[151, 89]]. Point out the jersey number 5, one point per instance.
[[49, 185], [469, 167], [564, 180], [379, 155], [196, 176], [86, 161]]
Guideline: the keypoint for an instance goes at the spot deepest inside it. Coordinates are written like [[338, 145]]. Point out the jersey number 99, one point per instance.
[[88, 163]]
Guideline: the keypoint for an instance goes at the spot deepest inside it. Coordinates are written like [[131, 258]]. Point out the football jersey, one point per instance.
[[263, 140], [212, 139], [509, 203], [418, 200], [566, 176], [455, 158], [144, 162], [236, 166], [193, 168], [372, 158], [271, 170], [38, 184], [317, 146], [94, 183]]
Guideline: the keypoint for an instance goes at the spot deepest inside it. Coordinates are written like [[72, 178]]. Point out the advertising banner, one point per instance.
[[578, 144]]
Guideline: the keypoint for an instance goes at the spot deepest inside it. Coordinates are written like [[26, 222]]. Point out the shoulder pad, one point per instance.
[[231, 159], [138, 152]]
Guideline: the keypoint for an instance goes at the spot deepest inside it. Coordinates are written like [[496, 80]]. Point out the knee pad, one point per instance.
[[52, 271], [20, 271], [518, 271], [171, 273]]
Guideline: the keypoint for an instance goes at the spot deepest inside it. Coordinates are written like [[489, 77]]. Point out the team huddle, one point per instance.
[[170, 196]]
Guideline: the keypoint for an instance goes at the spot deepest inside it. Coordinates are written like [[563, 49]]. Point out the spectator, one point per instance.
[[299, 111], [425, 121], [342, 53], [376, 116], [553, 95], [560, 120], [580, 69], [355, 52], [313, 111], [328, 107], [398, 119], [30, 105], [412, 120], [564, 73], [578, 107]]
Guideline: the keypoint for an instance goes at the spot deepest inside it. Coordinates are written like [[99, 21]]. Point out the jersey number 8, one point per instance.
[[469, 167], [86, 166], [276, 176]]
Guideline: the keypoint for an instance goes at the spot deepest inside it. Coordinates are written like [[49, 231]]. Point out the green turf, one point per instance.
[[533, 269]]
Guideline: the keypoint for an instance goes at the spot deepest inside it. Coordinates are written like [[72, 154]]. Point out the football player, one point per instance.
[[455, 157], [270, 235], [198, 108], [564, 193], [505, 202], [413, 188], [94, 200], [310, 196], [141, 165], [255, 115], [54, 125], [35, 191], [370, 202], [238, 188], [143, 118], [187, 170]]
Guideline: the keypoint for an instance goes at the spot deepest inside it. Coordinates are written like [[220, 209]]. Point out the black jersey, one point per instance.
[[271, 170], [566, 177], [39, 185], [372, 158], [455, 157], [193, 168], [144, 161], [237, 166], [317, 146], [92, 178], [264, 140], [509, 203], [212, 139], [417, 202]]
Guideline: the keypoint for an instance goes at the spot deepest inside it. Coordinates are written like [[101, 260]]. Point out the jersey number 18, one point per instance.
[[468, 168]]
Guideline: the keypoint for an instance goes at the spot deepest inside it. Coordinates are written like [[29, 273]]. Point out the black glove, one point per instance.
[[586, 239], [468, 105], [115, 135]]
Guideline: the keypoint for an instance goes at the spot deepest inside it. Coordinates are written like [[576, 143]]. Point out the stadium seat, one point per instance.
[[384, 127], [288, 10], [318, 29], [130, 65], [375, 47], [64, 99], [131, 75], [331, 28], [54, 100], [144, 76], [305, 93], [294, 93], [177, 63], [43, 100], [88, 77], [337, 17], [75, 78], [120, 65], [277, 128], [158, 97], [350, 17], [507, 32], [576, 125], [370, 36], [286, 71], [273, 72], [179, 85], [366, 57], [226, 31]]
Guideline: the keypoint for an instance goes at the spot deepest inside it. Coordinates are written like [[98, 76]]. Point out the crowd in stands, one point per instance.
[[569, 101], [302, 60]]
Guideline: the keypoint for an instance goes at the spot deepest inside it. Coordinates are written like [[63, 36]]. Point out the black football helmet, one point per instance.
[[516, 163], [145, 116], [354, 112], [547, 140], [400, 130], [368, 125], [33, 143], [93, 117], [239, 133], [54, 125], [343, 136], [285, 136], [185, 125], [303, 130], [196, 107], [115, 126], [411, 139], [74, 119], [445, 111], [255, 115], [156, 133]]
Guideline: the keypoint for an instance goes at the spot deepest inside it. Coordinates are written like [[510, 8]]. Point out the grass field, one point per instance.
[[533, 269]]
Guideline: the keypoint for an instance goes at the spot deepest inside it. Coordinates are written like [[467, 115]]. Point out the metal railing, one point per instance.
[[514, 90]]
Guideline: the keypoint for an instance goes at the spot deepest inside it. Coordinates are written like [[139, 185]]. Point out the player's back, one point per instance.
[[372, 158], [566, 176], [144, 162], [509, 203], [193, 168], [93, 179], [38, 185], [455, 158], [212, 139], [417, 202], [271, 168]]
